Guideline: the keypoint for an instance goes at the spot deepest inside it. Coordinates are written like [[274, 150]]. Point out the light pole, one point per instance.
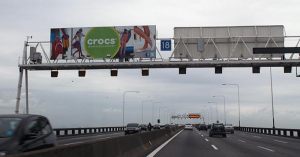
[[207, 116], [153, 110], [238, 101], [165, 116], [272, 98], [216, 110], [124, 101], [210, 113], [159, 113], [224, 105], [143, 109]]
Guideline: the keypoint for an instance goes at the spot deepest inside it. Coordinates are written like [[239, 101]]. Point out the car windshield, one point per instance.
[[8, 126], [218, 126], [142, 125], [228, 124], [132, 125]]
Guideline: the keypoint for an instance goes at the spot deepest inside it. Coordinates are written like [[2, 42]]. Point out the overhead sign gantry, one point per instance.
[[133, 47]]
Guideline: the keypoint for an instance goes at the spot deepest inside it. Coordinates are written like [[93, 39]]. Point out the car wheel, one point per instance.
[[210, 135], [125, 133], [232, 132]]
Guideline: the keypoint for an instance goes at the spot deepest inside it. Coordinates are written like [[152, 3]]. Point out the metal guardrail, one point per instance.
[[82, 131], [295, 133], [59, 132]]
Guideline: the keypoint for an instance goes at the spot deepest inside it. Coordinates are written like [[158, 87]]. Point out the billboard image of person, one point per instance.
[[103, 42]]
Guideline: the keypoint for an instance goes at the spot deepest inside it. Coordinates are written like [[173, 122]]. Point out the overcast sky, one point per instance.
[[96, 100]]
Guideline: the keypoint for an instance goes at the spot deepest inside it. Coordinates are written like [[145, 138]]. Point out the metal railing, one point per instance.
[[83, 131], [295, 133]]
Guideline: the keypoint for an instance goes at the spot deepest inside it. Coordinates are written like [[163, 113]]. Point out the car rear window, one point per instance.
[[132, 125], [218, 126]]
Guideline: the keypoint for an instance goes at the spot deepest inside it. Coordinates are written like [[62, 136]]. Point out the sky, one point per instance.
[[97, 99]]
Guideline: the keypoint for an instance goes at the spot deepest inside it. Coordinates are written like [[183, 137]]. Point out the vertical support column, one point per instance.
[[26, 87]]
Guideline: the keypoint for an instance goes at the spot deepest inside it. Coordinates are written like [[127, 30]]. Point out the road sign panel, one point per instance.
[[165, 45]]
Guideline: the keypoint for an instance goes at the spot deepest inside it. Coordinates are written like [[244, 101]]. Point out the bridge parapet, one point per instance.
[[294, 133]]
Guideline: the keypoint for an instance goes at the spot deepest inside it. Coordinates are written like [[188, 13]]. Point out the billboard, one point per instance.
[[103, 42]]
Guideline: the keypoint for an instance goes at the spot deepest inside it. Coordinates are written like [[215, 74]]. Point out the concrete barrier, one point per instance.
[[126, 146]]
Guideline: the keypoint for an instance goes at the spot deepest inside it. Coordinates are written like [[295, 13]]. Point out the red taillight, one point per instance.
[[212, 129]]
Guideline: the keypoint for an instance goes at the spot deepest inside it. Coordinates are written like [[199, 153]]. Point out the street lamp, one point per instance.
[[143, 109], [153, 110], [207, 116], [165, 116], [216, 110], [224, 105], [124, 101], [210, 113], [159, 113], [238, 101]]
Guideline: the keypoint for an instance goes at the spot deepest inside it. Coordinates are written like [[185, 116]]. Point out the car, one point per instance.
[[188, 127], [217, 129], [143, 127], [167, 126], [202, 127], [156, 126], [25, 132], [132, 128], [229, 128]]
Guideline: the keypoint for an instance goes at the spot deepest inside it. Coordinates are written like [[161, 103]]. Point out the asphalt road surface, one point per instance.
[[240, 144]]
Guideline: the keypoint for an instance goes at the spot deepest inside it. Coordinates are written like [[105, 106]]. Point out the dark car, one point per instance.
[[167, 126], [132, 128], [202, 127], [24, 132], [217, 129], [156, 126], [143, 127]]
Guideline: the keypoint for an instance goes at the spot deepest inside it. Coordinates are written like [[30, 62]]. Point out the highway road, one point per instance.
[[240, 144]]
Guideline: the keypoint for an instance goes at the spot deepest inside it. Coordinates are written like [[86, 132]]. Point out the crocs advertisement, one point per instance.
[[103, 42]]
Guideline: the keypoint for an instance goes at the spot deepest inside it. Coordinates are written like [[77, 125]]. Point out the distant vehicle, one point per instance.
[[143, 127], [229, 128], [202, 127], [25, 132], [188, 127], [217, 129], [156, 126], [132, 128], [167, 126]]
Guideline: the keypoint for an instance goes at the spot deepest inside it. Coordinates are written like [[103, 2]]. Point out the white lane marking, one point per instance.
[[280, 141], [163, 145], [214, 147], [242, 134], [206, 140], [266, 149], [202, 135], [256, 136], [242, 141]]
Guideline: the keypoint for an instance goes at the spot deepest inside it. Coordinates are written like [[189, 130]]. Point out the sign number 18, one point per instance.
[[165, 45]]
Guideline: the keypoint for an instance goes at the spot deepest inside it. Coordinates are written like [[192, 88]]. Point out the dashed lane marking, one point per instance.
[[214, 147], [266, 148], [206, 140], [256, 136], [280, 141], [242, 141]]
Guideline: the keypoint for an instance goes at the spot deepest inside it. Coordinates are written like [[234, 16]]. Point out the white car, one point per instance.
[[188, 127], [229, 128]]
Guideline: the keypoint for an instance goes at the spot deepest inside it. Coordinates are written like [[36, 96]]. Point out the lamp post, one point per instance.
[[238, 101], [124, 101], [143, 109], [216, 110], [224, 105], [207, 115], [159, 113], [210, 113], [153, 110]]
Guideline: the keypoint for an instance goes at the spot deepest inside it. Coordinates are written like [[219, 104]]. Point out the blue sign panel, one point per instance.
[[165, 45]]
